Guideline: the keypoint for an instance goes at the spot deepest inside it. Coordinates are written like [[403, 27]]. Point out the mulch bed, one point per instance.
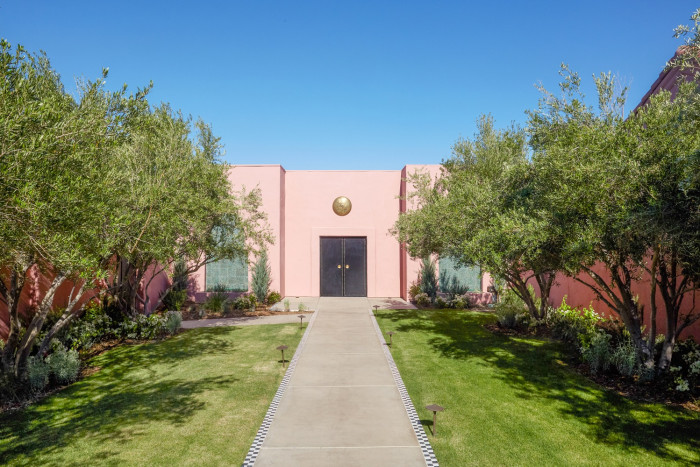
[[631, 388]]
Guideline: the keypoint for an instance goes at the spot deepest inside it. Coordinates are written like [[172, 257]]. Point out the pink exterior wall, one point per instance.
[[299, 208], [579, 295]]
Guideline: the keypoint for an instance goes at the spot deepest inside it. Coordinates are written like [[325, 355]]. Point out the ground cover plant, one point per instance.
[[517, 401], [197, 398]]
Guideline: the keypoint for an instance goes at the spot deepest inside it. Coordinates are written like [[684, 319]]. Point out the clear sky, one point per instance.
[[353, 84]]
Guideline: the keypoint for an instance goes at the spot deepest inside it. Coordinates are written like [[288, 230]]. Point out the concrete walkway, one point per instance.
[[341, 405]]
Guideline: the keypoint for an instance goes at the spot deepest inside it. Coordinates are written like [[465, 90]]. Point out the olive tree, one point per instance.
[[627, 190], [99, 187], [483, 210]]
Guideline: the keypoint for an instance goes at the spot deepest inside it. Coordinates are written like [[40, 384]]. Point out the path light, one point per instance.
[[435, 408], [376, 307], [282, 348], [391, 333], [301, 321]]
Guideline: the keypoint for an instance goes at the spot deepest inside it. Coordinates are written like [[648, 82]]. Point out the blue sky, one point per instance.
[[354, 84]]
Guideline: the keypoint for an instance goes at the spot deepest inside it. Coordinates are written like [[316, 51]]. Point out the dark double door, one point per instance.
[[344, 266]]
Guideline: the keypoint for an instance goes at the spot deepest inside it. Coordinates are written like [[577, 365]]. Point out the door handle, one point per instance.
[[347, 266], [339, 266]]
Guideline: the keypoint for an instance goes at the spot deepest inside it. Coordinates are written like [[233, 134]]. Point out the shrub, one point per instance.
[[413, 291], [94, 326], [175, 299], [37, 373], [459, 302], [173, 320], [273, 297], [624, 358], [573, 325], [301, 306], [441, 302], [260, 279], [286, 304], [143, 327], [64, 365], [687, 355], [422, 299], [216, 300], [596, 352], [507, 314], [428, 279], [455, 287]]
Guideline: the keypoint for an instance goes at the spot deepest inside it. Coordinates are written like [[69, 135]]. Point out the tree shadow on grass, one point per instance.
[[534, 368], [117, 403]]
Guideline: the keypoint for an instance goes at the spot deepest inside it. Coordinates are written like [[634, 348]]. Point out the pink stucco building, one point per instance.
[[318, 252]]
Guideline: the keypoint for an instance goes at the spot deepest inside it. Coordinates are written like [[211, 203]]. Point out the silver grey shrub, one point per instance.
[[173, 320], [64, 365], [38, 373], [597, 352]]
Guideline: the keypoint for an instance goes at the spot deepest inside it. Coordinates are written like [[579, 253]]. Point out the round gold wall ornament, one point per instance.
[[342, 206]]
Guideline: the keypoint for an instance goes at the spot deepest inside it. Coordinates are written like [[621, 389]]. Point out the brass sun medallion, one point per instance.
[[342, 206]]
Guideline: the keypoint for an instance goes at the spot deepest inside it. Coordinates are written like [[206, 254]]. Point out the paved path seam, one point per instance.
[[426, 448], [270, 415]]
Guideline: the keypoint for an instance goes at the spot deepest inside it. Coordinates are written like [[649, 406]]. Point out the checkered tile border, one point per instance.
[[272, 410], [428, 454]]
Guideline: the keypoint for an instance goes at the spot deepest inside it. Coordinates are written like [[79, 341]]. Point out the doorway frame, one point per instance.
[[342, 261]]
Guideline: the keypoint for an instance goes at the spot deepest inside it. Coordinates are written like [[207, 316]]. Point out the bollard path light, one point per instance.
[[391, 333], [376, 307], [301, 321], [282, 348], [435, 409]]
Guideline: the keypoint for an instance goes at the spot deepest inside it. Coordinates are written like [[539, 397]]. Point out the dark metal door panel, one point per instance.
[[355, 267], [332, 266]]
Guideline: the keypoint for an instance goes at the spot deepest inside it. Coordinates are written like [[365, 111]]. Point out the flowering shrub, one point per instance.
[[422, 299]]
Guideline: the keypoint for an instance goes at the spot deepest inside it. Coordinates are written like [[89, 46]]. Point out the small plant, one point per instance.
[[273, 297], [92, 327], [260, 280], [38, 373], [624, 358], [301, 307], [573, 324], [422, 300], [459, 302], [507, 314], [413, 291], [286, 304], [597, 352], [173, 320], [428, 278], [176, 297], [216, 301], [441, 302], [64, 365]]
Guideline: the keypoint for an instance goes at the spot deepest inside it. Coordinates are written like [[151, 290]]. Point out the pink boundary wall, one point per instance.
[[299, 208]]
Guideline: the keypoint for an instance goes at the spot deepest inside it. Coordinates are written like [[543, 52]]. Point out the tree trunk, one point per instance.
[[25, 347], [11, 296], [673, 292], [545, 281], [63, 321], [652, 318]]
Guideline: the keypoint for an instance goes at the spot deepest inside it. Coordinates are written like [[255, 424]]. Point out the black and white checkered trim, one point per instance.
[[426, 448], [272, 410]]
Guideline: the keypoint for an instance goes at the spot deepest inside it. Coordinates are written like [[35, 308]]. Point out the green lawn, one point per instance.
[[514, 401], [195, 399]]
